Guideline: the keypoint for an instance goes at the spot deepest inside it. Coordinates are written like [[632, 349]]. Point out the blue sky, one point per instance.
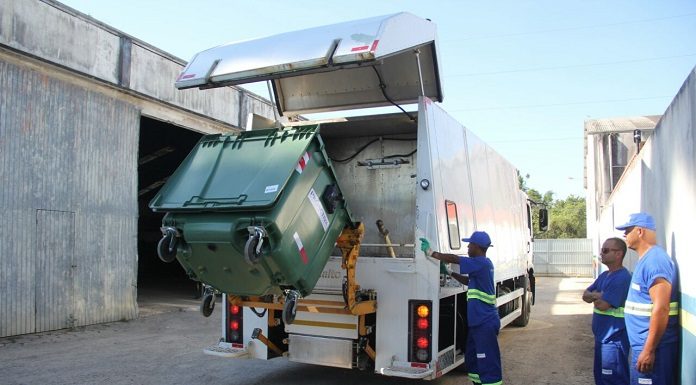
[[523, 75]]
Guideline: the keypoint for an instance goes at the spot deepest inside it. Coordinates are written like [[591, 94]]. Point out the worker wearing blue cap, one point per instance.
[[652, 308], [608, 295], [482, 351]]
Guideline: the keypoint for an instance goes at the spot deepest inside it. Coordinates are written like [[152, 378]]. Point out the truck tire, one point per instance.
[[526, 305]]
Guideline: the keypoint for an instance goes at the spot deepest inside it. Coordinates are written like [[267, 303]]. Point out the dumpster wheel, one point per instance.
[[290, 307], [250, 254], [252, 249], [208, 305], [166, 248]]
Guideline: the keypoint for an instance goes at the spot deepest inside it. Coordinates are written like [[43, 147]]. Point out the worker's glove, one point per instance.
[[425, 246], [443, 268]]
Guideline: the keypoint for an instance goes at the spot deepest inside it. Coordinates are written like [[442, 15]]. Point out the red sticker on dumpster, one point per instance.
[[302, 163], [300, 246]]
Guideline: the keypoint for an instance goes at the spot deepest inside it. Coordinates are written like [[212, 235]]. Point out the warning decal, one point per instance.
[[300, 246], [302, 163]]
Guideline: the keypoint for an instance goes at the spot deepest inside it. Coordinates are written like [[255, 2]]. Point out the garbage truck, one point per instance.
[[309, 229]]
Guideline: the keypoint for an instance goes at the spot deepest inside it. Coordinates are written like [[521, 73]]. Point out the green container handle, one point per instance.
[[208, 202]]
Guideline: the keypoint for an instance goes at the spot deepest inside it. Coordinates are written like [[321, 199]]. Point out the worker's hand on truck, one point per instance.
[[425, 246]]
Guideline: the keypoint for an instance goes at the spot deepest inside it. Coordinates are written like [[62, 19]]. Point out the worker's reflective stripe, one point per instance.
[[475, 378], [674, 308], [481, 296], [645, 309], [613, 312]]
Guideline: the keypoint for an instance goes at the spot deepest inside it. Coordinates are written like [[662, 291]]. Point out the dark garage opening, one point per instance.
[[162, 148]]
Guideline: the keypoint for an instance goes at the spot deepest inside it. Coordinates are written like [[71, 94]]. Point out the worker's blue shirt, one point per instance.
[[653, 265], [608, 325], [480, 304]]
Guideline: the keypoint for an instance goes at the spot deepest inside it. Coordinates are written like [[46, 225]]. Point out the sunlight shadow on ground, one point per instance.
[[566, 302]]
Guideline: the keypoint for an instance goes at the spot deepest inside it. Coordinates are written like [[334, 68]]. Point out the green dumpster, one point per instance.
[[253, 213]]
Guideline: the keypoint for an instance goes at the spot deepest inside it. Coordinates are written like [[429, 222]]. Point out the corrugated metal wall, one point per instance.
[[563, 257], [68, 177]]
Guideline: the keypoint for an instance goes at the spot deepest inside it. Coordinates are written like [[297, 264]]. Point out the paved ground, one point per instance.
[[164, 346]]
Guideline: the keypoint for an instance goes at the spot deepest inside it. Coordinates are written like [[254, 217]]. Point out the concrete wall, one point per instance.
[[661, 180], [609, 147]]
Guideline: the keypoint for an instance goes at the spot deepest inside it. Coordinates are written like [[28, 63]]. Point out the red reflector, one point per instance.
[[361, 48], [422, 342], [422, 323], [234, 309], [418, 365], [234, 325], [374, 45]]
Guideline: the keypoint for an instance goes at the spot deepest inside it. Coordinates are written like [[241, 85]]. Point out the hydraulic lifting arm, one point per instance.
[[349, 243], [357, 302]]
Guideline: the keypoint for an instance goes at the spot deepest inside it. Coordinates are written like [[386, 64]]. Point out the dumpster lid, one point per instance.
[[233, 172], [333, 67]]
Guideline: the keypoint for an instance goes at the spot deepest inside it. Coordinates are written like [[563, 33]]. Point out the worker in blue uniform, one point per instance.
[[482, 353], [652, 307], [608, 295]]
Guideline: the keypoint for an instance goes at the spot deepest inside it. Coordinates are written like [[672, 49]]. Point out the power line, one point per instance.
[[571, 28], [572, 66], [535, 140], [561, 104]]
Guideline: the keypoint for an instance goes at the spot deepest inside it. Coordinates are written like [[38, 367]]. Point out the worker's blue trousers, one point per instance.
[[483, 354], [665, 370], [611, 362]]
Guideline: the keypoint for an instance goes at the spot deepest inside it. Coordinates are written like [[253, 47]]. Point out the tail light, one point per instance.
[[235, 324], [420, 331]]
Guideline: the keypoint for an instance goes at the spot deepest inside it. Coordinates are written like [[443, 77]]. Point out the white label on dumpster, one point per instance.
[[271, 189], [321, 213]]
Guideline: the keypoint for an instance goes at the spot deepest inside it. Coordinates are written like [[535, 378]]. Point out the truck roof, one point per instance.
[[334, 67]]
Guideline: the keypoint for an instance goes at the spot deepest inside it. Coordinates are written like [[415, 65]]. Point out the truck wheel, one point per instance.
[[166, 250], [526, 305], [208, 305]]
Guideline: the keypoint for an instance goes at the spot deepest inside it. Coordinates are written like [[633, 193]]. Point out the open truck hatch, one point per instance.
[[342, 66]]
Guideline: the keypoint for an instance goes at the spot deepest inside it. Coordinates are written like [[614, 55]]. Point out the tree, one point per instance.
[[522, 181], [567, 219], [566, 216]]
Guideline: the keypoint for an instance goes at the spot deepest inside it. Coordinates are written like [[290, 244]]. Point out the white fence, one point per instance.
[[564, 257]]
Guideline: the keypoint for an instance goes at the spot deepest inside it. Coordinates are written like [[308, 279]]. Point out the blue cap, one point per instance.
[[480, 238], [639, 219]]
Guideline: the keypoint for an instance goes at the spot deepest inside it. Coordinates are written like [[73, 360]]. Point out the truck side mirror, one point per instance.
[[543, 219]]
